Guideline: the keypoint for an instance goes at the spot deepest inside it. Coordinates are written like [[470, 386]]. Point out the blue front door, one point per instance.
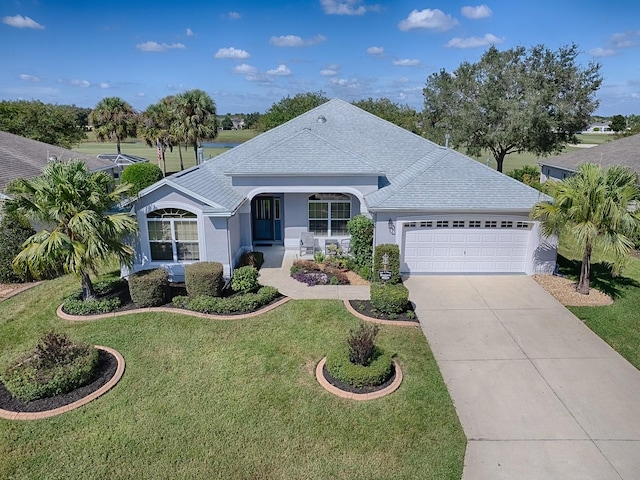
[[263, 216]]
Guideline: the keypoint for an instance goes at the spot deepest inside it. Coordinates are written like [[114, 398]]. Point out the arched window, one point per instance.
[[329, 214], [173, 235]]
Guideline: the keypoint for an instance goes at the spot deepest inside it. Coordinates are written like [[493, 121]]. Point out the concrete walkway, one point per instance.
[[538, 394], [276, 273]]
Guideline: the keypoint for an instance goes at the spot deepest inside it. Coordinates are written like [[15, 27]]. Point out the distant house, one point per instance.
[[598, 128], [625, 151], [22, 157], [238, 123], [309, 176]]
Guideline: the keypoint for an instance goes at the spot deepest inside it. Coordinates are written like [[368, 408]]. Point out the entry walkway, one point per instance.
[[276, 273], [539, 395]]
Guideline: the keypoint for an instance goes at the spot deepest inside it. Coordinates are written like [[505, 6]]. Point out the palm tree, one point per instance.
[[113, 118], [195, 118], [597, 208], [82, 232], [155, 127]]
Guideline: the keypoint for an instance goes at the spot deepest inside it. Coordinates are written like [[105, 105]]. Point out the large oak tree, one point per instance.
[[516, 100]]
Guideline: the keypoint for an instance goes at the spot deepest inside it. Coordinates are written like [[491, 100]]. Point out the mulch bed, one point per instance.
[[106, 369], [364, 307], [351, 389]]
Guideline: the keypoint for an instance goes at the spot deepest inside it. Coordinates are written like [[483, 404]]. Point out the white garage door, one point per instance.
[[465, 246]]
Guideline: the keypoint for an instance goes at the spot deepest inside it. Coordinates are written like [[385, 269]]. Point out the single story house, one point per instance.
[[22, 157], [624, 151], [598, 128], [446, 211]]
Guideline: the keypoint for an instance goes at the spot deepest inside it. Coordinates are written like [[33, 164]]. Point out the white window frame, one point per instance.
[[329, 199], [171, 216]]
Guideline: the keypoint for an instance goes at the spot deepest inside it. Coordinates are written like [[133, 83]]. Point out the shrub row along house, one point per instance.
[[447, 212]]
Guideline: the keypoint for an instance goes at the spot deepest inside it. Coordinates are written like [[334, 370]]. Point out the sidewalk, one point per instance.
[[276, 273]]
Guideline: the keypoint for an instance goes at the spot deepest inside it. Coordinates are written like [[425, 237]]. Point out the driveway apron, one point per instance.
[[539, 395]]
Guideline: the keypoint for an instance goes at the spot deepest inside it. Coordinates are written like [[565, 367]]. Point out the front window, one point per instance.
[[173, 235], [329, 214]]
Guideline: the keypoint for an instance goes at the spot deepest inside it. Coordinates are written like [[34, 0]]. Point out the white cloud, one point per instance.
[[473, 42], [328, 72], [141, 94], [344, 83], [407, 62], [245, 69], [429, 19], [375, 51], [80, 83], [232, 52], [602, 52], [189, 32], [346, 7], [19, 21], [105, 85], [151, 46], [29, 78], [234, 16], [480, 11], [282, 70], [295, 41]]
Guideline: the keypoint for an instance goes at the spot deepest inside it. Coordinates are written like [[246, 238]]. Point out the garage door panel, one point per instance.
[[465, 250]]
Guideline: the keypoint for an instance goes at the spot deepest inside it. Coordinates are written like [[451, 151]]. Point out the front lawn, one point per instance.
[[617, 324], [230, 399]]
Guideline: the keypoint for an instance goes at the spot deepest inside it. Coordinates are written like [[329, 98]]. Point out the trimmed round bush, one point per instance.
[[245, 279], [376, 373], [389, 298], [149, 288], [204, 278], [141, 175], [74, 305], [56, 365]]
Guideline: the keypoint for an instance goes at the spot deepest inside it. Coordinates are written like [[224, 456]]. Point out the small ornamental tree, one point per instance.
[[141, 175]]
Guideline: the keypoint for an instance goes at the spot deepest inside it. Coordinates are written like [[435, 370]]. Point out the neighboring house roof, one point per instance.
[[339, 139], [625, 152], [22, 157]]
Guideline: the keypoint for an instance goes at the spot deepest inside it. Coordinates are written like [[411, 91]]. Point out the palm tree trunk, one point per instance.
[[195, 151], [88, 293], [164, 164], [585, 272], [118, 144], [180, 153]]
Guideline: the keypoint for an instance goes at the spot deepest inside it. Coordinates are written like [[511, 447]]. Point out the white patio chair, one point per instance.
[[307, 243]]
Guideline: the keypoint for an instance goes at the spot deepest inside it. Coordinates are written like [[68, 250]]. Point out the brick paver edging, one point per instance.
[[358, 396], [181, 311], [399, 323], [9, 415]]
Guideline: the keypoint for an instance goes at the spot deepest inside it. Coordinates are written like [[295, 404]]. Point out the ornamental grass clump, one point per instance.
[[56, 365]]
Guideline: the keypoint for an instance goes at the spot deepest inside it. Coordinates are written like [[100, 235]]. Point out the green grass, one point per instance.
[[230, 399], [139, 148], [617, 324]]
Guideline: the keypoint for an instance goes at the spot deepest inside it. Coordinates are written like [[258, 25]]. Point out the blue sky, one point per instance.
[[249, 54]]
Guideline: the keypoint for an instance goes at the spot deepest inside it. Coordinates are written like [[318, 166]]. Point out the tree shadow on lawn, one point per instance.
[[601, 277]]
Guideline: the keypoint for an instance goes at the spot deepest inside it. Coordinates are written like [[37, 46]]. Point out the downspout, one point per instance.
[[373, 250], [229, 249]]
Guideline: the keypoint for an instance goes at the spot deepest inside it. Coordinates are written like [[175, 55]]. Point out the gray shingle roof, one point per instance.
[[22, 157], [338, 138], [625, 151]]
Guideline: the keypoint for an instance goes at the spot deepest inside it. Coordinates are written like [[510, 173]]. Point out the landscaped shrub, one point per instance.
[[253, 259], [361, 343], [389, 298], [311, 273], [204, 278], [109, 289], [341, 368], [56, 365], [244, 279], [141, 175], [14, 231], [361, 230], [242, 303], [393, 251], [149, 288]]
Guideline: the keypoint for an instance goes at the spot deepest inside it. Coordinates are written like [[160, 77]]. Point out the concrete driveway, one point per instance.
[[539, 395]]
